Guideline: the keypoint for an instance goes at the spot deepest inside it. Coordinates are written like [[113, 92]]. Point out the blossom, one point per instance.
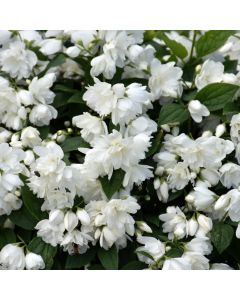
[[197, 110], [165, 80], [12, 257], [34, 261]]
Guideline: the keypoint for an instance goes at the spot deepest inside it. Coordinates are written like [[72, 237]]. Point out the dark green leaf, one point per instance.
[[33, 204], [23, 218], [80, 260], [114, 184], [73, 143], [109, 258], [76, 98], [216, 95], [174, 252], [134, 265], [211, 41], [231, 108], [7, 236], [221, 236], [44, 131], [56, 61], [173, 113], [177, 49], [38, 246], [156, 144]]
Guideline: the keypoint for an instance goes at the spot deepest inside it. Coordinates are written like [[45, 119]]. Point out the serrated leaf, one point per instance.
[[109, 258], [114, 184], [73, 143], [80, 260], [173, 113], [216, 95], [38, 246], [221, 236], [177, 49], [7, 236], [211, 41]]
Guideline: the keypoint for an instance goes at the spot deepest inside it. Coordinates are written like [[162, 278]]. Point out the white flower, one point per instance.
[[142, 124], [165, 80], [17, 60], [205, 225], [179, 176], [143, 226], [101, 97], [40, 88], [34, 261], [211, 72], [192, 227], [220, 266], [230, 175], [178, 263], [42, 114], [202, 198], [30, 137], [91, 126], [12, 257], [136, 174], [197, 110], [70, 221], [220, 130], [152, 246], [50, 46], [235, 128], [174, 222], [83, 216]]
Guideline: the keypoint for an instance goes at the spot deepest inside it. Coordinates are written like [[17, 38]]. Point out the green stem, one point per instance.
[[193, 44]]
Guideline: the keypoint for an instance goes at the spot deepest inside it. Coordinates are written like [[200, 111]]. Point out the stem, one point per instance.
[[193, 44]]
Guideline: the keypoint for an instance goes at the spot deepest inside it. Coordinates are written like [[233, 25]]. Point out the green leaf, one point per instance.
[[44, 131], [115, 183], [33, 204], [56, 61], [177, 49], [38, 246], [60, 99], [211, 41], [108, 258], [80, 260], [231, 108], [174, 252], [76, 98], [73, 143], [216, 95], [221, 236], [156, 144], [153, 219], [7, 236], [23, 218], [134, 265], [173, 113], [64, 88]]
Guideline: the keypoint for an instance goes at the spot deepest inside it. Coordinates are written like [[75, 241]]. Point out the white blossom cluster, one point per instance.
[[109, 142]]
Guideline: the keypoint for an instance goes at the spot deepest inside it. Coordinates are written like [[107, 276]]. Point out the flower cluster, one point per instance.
[[119, 149]]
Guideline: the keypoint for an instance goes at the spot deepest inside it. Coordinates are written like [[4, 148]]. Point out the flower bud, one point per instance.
[[34, 261], [164, 191], [190, 198], [83, 216], [222, 202], [205, 223], [30, 137], [192, 227], [29, 158], [156, 183], [220, 130], [70, 221], [143, 226], [73, 51], [12, 257], [165, 127], [159, 171], [56, 217]]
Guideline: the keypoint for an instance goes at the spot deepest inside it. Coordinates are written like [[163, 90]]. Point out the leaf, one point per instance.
[[173, 113], [153, 219], [134, 265], [73, 143], [156, 144], [7, 236], [80, 260], [60, 99], [216, 95], [38, 246], [64, 88], [174, 252], [231, 108], [44, 131], [221, 236], [108, 258], [177, 49], [76, 98], [211, 41], [33, 204], [23, 218], [56, 61], [115, 183]]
